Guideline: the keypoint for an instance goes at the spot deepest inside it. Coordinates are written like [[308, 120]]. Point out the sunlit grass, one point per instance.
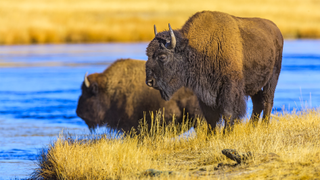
[[295, 137], [74, 21]]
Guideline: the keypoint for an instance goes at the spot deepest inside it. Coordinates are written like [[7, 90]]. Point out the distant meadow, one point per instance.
[[84, 21]]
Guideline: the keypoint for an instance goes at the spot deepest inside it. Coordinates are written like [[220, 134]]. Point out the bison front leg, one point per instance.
[[229, 120], [228, 123], [232, 103], [212, 115]]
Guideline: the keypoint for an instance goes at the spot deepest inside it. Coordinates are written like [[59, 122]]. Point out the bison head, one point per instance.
[[166, 67], [92, 103]]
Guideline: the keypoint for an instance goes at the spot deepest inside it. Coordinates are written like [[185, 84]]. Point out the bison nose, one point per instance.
[[150, 82]]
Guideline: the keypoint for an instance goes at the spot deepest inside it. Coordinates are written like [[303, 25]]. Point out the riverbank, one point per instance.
[[84, 21], [293, 138]]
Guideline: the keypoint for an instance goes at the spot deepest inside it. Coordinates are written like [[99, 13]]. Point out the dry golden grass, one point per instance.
[[294, 137], [73, 21]]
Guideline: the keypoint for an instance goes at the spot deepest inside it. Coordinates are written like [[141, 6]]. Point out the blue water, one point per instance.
[[40, 86]]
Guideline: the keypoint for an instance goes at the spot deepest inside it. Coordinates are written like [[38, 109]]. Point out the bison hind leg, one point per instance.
[[268, 94], [258, 106]]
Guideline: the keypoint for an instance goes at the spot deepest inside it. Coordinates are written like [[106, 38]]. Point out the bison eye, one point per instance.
[[162, 57]]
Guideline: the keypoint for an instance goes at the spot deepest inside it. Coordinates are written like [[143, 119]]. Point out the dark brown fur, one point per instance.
[[223, 59], [118, 97]]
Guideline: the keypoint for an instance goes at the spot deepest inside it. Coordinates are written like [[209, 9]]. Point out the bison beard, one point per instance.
[[223, 59]]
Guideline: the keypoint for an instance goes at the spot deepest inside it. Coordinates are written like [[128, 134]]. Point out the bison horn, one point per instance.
[[86, 81], [173, 39], [155, 30]]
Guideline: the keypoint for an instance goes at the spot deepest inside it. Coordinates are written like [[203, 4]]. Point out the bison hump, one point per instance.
[[217, 36]]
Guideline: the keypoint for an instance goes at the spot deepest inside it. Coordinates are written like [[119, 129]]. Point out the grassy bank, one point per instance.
[[73, 21], [294, 138]]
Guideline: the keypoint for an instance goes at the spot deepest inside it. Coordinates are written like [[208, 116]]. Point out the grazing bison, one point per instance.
[[223, 59], [118, 97]]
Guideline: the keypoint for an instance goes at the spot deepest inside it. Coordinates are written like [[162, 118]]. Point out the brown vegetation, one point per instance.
[[73, 21]]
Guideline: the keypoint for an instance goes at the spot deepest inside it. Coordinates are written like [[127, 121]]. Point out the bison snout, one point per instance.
[[150, 82]]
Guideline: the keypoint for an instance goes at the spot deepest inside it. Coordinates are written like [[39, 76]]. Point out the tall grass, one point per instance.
[[294, 137], [73, 21]]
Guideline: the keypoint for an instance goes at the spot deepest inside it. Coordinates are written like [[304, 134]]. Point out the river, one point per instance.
[[40, 86]]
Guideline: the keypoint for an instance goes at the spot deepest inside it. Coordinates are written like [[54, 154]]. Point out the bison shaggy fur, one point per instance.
[[223, 59], [118, 98]]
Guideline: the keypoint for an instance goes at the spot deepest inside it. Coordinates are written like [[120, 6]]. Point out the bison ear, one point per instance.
[[94, 88], [183, 44]]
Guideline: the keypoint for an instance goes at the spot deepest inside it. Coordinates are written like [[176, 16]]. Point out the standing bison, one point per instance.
[[118, 97], [223, 59]]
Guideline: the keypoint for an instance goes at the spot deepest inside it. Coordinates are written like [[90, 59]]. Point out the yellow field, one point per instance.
[[74, 21], [294, 137]]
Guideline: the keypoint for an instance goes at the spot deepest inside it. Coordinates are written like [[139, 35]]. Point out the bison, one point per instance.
[[223, 59], [118, 98]]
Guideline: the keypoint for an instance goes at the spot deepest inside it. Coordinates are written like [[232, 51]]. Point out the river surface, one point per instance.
[[40, 86]]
